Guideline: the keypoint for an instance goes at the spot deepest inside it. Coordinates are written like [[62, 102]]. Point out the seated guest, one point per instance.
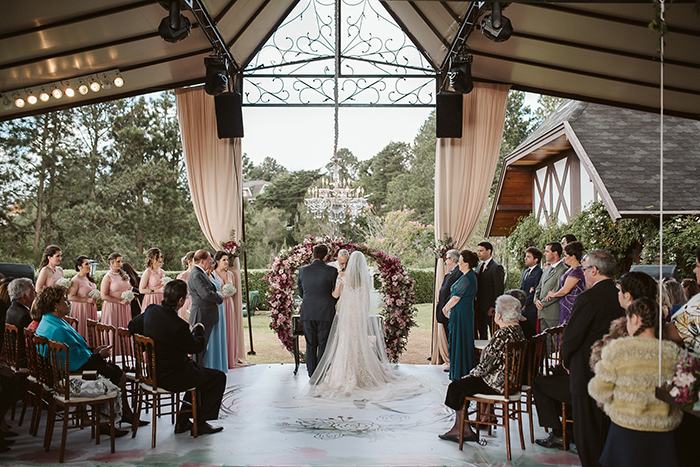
[[529, 328], [22, 295], [488, 377], [51, 303], [691, 288], [175, 370], [642, 429]]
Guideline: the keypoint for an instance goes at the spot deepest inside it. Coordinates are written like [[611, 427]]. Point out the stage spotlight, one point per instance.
[[118, 80], [83, 89], [6, 103], [495, 26], [106, 83], [94, 85], [216, 80], [69, 91], [44, 96], [31, 98], [175, 26], [19, 102], [461, 74], [56, 93]]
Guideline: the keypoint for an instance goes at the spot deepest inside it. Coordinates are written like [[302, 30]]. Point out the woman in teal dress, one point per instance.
[[216, 355], [460, 309]]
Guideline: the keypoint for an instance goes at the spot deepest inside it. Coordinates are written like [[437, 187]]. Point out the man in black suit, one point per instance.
[[205, 298], [316, 282], [22, 294], [530, 281], [590, 320], [451, 260], [175, 371], [491, 284]]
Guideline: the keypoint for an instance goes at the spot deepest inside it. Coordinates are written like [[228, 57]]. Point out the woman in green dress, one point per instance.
[[460, 310]]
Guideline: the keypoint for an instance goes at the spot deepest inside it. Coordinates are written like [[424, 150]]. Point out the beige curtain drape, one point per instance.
[[214, 176], [464, 169]]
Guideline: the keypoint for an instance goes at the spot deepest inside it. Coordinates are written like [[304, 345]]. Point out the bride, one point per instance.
[[354, 365]]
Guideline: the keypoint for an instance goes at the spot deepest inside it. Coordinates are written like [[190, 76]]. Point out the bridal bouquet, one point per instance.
[[232, 247], [165, 280], [685, 386], [94, 293], [128, 295], [64, 282], [228, 290]]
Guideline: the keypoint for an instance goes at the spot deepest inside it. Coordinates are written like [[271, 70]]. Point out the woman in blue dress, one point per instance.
[[460, 310], [216, 355]]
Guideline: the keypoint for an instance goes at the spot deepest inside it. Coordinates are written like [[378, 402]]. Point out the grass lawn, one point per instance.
[[269, 349]]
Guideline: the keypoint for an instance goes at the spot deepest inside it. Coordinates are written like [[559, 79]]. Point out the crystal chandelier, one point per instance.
[[336, 197]]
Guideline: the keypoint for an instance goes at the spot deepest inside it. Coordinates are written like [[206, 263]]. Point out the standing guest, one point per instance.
[[548, 310], [341, 263], [83, 306], [115, 309], [568, 238], [205, 298], [491, 277], [175, 370], [460, 310], [22, 294], [134, 280], [151, 285], [571, 283], [530, 281], [676, 297], [232, 318], [216, 355], [187, 262], [691, 288], [529, 329], [49, 269], [642, 429], [590, 320], [451, 263]]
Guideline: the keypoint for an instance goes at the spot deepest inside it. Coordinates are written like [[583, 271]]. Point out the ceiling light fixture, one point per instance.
[[19, 102], [69, 91], [44, 96], [461, 73], [175, 26], [56, 93], [216, 80], [6, 103], [94, 84], [495, 26], [118, 80], [31, 98]]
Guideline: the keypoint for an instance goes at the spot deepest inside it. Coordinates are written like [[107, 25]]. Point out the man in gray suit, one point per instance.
[[548, 309], [205, 298]]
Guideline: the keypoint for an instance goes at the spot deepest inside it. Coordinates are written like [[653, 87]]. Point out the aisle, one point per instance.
[[264, 425]]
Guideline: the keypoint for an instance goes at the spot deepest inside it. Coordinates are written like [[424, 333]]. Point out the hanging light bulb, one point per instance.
[[56, 93], [69, 91], [43, 95], [83, 89], [31, 98], [118, 80], [94, 85], [19, 102]]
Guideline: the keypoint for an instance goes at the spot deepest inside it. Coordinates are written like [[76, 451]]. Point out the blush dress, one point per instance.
[[116, 314], [182, 312], [56, 274], [154, 282], [83, 310]]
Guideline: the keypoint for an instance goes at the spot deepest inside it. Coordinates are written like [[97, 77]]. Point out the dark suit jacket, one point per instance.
[[444, 297], [529, 286], [175, 371], [591, 315], [316, 282], [18, 315], [205, 300], [491, 285]]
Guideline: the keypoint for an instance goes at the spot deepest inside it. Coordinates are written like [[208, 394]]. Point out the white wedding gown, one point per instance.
[[355, 365]]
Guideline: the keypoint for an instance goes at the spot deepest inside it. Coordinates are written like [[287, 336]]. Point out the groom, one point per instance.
[[316, 282]]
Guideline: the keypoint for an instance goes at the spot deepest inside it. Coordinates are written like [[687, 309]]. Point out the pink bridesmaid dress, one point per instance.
[[233, 322], [154, 282], [57, 274], [116, 314], [83, 310], [183, 276]]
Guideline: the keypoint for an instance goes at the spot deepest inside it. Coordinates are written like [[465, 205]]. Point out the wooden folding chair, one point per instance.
[[40, 370], [509, 403], [534, 366], [72, 321], [14, 344], [106, 336], [145, 350], [127, 362], [60, 365], [93, 337], [554, 346]]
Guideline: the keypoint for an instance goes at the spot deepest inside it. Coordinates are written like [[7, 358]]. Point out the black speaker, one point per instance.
[[13, 270], [448, 118], [229, 115]]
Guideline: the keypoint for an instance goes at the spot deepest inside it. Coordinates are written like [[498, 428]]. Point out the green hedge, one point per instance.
[[423, 287]]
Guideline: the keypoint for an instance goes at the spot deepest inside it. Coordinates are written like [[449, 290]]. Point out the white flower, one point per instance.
[[187, 314], [228, 290], [684, 379], [94, 293], [165, 280], [64, 282], [128, 295]]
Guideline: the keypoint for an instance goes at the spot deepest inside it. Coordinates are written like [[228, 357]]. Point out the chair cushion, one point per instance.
[[149, 388], [497, 398], [80, 400]]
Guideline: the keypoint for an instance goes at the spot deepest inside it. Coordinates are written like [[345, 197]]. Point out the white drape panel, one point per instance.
[[214, 176], [464, 169]]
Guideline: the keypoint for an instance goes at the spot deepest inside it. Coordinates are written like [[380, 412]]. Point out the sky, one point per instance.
[[301, 138]]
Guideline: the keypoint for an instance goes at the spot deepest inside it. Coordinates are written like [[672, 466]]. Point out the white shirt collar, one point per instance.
[[557, 263], [200, 267], [486, 263]]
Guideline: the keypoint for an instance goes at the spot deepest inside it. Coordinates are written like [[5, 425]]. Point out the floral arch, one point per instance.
[[397, 289]]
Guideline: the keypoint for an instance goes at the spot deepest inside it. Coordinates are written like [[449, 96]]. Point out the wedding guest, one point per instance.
[[187, 262], [134, 280], [571, 283], [52, 305], [49, 269], [568, 238], [342, 261], [642, 429], [686, 322], [491, 278], [83, 305], [529, 282], [488, 377], [548, 310], [453, 274], [116, 310], [673, 290], [21, 292], [216, 354], [233, 319], [460, 311], [529, 328], [151, 285], [691, 288]]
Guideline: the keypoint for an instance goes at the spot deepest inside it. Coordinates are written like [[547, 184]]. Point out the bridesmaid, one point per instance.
[[188, 262], [151, 285], [82, 305], [115, 310], [49, 270], [216, 355], [226, 277]]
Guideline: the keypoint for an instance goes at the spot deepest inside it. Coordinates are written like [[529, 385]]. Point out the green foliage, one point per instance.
[[681, 237], [265, 235], [547, 106], [268, 170], [423, 288], [256, 282], [287, 191], [377, 172], [398, 235], [347, 163]]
